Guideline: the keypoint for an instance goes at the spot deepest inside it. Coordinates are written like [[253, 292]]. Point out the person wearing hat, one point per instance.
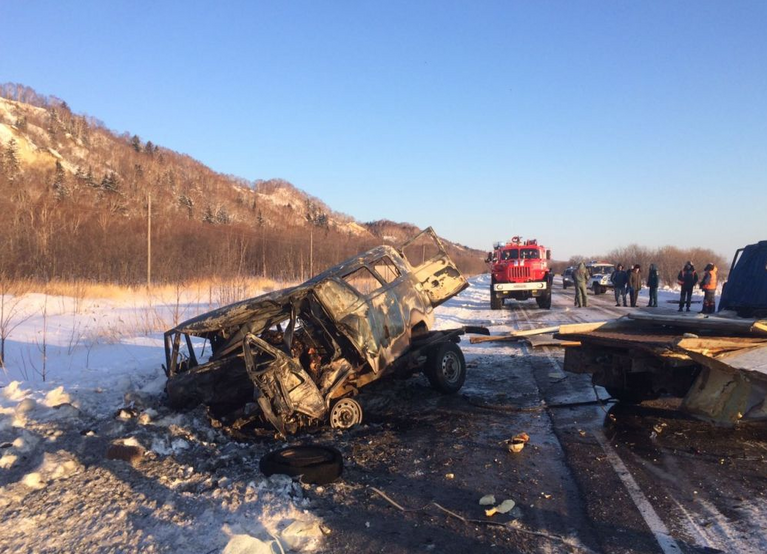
[[708, 284], [652, 283], [635, 284], [619, 279], [687, 278], [581, 278]]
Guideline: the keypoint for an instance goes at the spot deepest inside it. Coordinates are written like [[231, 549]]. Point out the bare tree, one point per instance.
[[11, 315]]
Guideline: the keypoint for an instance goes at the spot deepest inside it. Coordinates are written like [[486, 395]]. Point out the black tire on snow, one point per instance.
[[595, 288], [446, 368], [315, 464]]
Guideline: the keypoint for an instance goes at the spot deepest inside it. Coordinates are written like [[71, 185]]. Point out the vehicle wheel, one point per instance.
[[595, 288], [544, 302], [446, 368], [564, 285], [602, 289], [495, 302], [315, 464], [346, 413]]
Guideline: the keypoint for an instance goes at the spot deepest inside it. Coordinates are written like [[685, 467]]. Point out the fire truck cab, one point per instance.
[[520, 271]]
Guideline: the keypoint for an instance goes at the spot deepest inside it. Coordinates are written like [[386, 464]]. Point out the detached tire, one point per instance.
[[315, 464], [446, 368]]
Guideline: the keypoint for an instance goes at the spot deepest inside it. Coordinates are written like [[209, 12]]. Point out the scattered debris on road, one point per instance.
[[529, 335], [503, 508], [516, 443], [487, 500]]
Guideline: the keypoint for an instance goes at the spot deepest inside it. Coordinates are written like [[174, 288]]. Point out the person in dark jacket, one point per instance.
[[708, 284], [652, 283], [687, 278], [635, 284], [581, 279], [619, 279]]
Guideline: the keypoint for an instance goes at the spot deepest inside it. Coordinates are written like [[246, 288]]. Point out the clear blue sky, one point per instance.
[[588, 125]]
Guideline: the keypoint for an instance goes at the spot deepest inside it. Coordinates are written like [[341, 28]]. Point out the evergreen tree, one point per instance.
[[136, 143], [222, 216], [188, 203], [90, 180], [53, 123], [59, 184], [110, 182], [11, 165]]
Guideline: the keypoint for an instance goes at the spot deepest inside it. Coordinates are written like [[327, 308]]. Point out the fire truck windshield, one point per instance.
[[523, 253], [510, 254]]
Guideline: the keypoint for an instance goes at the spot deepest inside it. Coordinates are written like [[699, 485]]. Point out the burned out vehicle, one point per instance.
[[296, 358]]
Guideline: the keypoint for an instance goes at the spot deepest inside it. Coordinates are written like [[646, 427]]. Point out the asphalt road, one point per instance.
[[593, 478]]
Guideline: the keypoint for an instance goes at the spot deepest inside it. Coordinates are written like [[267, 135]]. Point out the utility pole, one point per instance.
[[148, 239]]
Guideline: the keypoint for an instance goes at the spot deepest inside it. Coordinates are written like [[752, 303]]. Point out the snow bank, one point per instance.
[[84, 374]]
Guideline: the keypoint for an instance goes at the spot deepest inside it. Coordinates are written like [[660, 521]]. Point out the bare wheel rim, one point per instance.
[[345, 414], [451, 367]]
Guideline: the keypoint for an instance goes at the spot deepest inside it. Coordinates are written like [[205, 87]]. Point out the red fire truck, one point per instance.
[[520, 270]]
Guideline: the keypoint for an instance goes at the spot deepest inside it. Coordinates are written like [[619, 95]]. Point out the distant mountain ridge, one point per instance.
[[92, 182]]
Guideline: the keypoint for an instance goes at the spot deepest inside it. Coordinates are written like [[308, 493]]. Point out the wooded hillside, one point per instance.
[[75, 198]]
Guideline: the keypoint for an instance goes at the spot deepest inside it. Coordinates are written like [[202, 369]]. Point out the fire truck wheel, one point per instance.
[[544, 302], [495, 302], [446, 368]]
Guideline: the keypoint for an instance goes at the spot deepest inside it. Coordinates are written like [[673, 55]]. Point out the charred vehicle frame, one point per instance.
[[296, 358]]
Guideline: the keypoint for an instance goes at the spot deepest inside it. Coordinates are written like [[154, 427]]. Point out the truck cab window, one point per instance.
[[530, 254], [363, 281], [386, 269], [510, 254]]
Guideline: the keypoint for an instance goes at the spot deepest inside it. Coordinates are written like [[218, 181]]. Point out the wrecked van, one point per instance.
[[296, 358]]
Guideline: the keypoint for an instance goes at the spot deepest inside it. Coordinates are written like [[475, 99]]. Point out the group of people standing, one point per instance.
[[688, 278], [629, 283]]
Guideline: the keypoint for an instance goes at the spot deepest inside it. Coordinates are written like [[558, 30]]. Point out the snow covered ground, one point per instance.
[[83, 375]]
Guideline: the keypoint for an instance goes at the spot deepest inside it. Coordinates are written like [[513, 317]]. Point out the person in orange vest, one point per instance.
[[687, 278], [708, 284]]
